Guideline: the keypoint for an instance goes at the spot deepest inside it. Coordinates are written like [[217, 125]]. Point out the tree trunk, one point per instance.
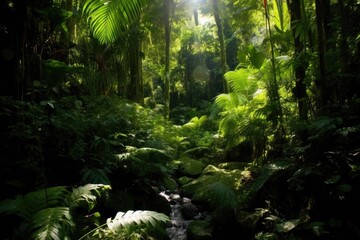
[[299, 68], [136, 86], [220, 31], [321, 82], [167, 57]]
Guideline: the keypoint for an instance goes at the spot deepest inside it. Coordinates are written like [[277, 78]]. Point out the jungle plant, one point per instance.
[[129, 225], [242, 116], [50, 213], [57, 213]]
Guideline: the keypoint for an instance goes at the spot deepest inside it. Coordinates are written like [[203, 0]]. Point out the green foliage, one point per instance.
[[143, 164], [96, 175], [57, 16], [52, 223], [222, 197], [56, 72], [196, 123], [108, 20], [281, 16], [230, 101], [266, 172], [48, 213], [122, 220], [127, 225]]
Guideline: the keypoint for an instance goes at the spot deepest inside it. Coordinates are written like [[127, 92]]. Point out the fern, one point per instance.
[[96, 175], [47, 213], [26, 206], [135, 217], [52, 223], [126, 220], [222, 196], [242, 81], [230, 100], [86, 195]]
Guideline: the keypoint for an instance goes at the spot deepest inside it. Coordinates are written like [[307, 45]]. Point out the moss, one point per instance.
[[191, 167], [199, 230]]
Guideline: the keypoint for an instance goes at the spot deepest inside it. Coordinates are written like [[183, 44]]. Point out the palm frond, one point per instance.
[[231, 100], [86, 196], [130, 217], [108, 19], [52, 223], [242, 80]]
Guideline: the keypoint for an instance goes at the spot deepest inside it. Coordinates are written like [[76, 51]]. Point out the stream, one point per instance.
[[177, 229]]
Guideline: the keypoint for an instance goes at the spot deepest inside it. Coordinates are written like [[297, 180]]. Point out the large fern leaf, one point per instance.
[[85, 196], [222, 196], [109, 18], [242, 81], [130, 217], [52, 223], [26, 206]]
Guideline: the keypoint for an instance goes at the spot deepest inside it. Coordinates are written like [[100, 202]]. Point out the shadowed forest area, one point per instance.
[[243, 112]]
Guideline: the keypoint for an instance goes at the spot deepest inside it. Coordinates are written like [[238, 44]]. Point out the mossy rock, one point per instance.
[[197, 152], [190, 167], [233, 165], [184, 180], [170, 183], [199, 230], [174, 165]]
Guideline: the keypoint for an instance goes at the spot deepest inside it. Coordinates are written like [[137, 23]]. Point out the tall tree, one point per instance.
[[321, 82], [220, 31], [296, 14], [167, 28], [136, 86], [112, 19]]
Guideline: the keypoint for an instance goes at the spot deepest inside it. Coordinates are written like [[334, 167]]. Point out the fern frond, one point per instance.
[[52, 223], [123, 220], [85, 196], [242, 81], [230, 100], [222, 196], [11, 206], [26, 206], [96, 175]]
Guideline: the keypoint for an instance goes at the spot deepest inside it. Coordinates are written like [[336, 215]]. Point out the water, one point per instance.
[[177, 230]]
